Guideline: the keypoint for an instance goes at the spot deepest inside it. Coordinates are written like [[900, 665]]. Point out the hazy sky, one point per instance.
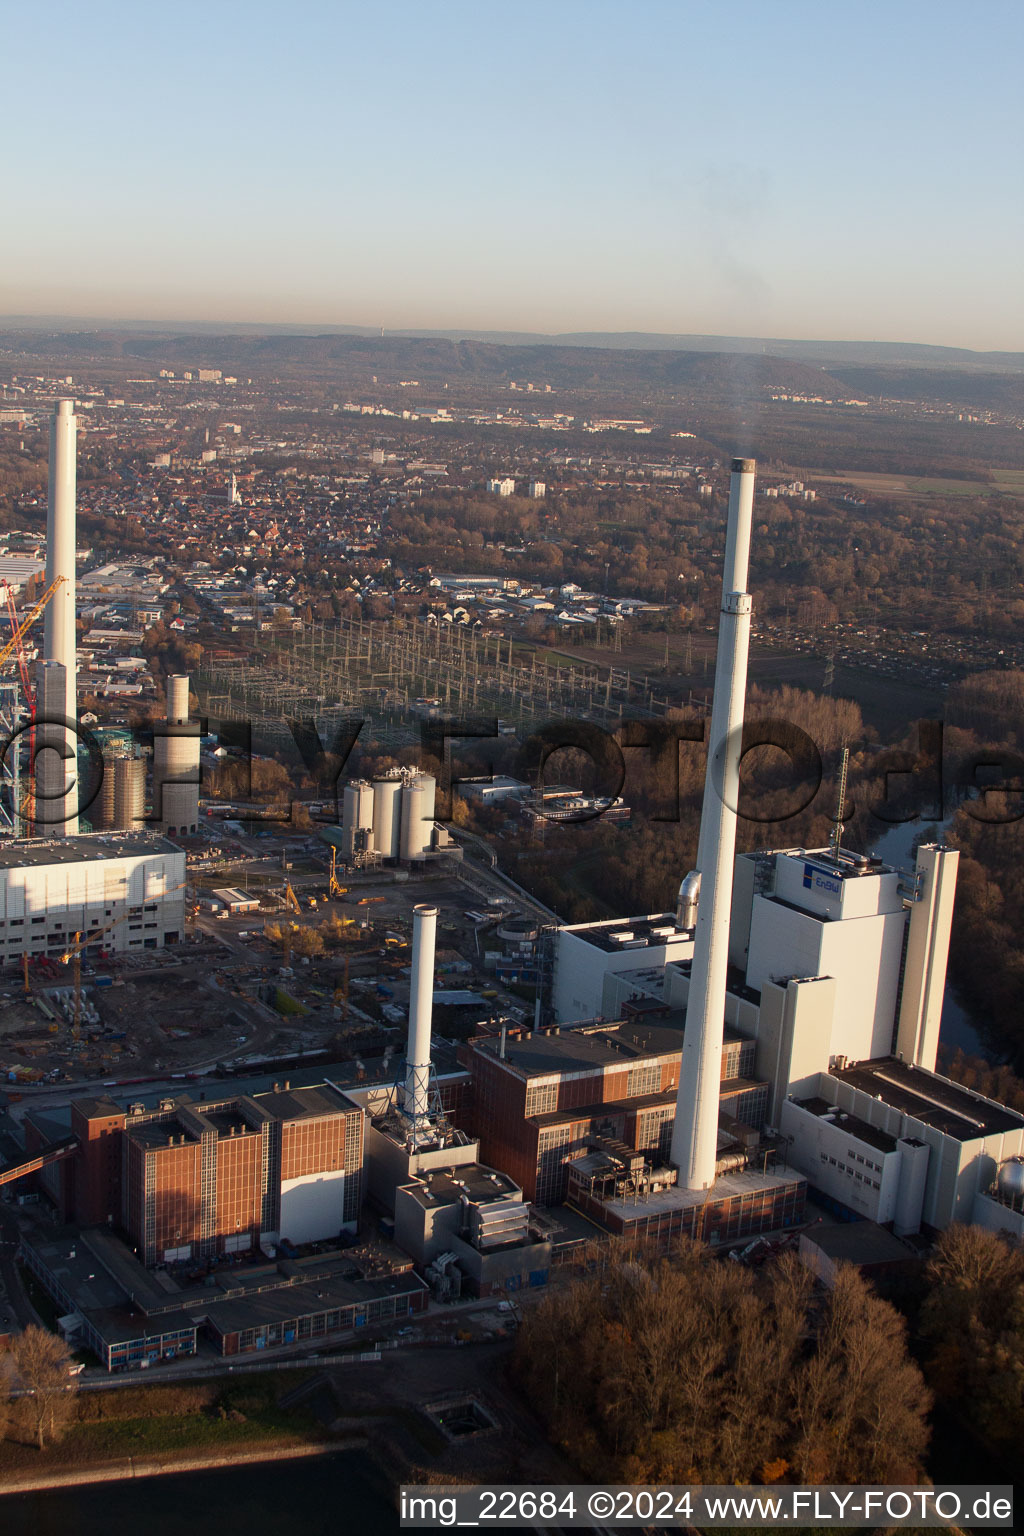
[[835, 168]]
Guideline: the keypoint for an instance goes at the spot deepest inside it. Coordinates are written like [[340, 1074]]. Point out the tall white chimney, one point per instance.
[[695, 1133], [59, 620], [421, 1002]]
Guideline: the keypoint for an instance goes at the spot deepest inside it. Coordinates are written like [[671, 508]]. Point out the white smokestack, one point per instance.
[[421, 1002], [695, 1134], [59, 620]]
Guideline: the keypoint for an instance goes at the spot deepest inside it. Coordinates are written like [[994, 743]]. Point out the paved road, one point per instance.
[[14, 1303]]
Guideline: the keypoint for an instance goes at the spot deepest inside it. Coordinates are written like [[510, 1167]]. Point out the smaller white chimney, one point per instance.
[[421, 1002]]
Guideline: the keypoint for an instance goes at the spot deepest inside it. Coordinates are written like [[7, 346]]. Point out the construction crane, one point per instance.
[[291, 900], [19, 627], [333, 888], [16, 646]]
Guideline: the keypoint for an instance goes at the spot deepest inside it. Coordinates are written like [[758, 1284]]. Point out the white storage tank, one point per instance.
[[357, 818], [417, 816], [387, 816]]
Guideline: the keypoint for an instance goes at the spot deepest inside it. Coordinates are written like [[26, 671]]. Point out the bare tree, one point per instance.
[[41, 1360]]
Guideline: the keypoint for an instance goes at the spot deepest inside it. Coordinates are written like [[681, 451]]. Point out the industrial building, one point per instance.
[[131, 1318], [188, 1180], [831, 967], [123, 892], [466, 1224], [542, 1099]]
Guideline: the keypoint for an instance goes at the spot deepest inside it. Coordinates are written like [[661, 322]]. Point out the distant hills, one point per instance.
[[868, 353], [622, 370]]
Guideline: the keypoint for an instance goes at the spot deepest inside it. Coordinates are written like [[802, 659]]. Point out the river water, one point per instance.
[[955, 1027], [319, 1496]]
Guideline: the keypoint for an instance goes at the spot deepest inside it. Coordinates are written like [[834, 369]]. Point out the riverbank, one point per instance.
[[321, 1495], [129, 1467]]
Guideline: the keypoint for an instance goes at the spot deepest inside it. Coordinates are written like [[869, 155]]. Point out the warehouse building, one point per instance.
[[131, 1318]]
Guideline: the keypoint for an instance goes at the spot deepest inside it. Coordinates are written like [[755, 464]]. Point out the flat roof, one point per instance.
[[933, 1100], [123, 1301], [303, 1103], [641, 928], [37, 852], [742, 1181], [869, 1134], [479, 1184], [587, 1047], [161, 1132], [849, 865], [859, 1242]]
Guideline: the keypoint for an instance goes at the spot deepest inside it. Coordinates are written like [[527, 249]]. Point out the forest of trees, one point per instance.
[[972, 1325], [684, 1368], [693, 1370]]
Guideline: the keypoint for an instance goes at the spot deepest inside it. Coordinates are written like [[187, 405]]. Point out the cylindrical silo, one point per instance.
[[129, 793], [387, 817], [417, 816], [121, 802], [357, 818]]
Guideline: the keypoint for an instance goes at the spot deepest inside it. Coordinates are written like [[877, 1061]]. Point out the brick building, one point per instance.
[[190, 1180], [541, 1098]]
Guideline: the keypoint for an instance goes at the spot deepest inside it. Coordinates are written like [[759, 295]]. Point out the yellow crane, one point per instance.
[[20, 626], [16, 645], [291, 900]]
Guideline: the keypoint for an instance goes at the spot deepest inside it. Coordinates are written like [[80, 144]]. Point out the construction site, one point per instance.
[[268, 971]]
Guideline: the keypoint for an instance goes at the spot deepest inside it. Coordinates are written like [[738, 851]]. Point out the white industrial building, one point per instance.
[[834, 964], [837, 969], [125, 891]]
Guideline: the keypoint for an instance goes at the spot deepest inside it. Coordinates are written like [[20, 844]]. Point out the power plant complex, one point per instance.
[[62, 883], [697, 1072]]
